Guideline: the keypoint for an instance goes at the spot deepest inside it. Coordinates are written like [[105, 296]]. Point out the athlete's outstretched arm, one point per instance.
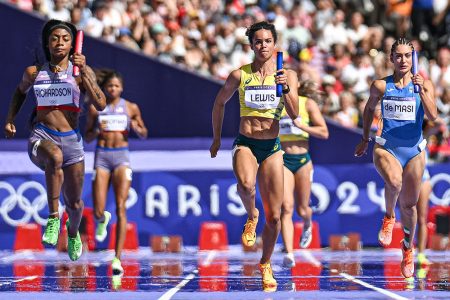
[[376, 92], [224, 94], [18, 99], [319, 127], [137, 124]]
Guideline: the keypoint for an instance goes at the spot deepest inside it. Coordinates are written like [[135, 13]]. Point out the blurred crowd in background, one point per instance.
[[342, 45]]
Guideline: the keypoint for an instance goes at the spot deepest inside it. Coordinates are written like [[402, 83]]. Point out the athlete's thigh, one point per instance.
[[386, 164], [303, 180], [100, 184], [412, 178], [245, 166], [270, 182], [288, 192], [121, 181], [47, 150]]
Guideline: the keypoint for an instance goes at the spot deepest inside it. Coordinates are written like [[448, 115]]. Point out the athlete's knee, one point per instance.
[[287, 209], [273, 220], [74, 204], [247, 187], [395, 182], [303, 211], [407, 205], [121, 210]]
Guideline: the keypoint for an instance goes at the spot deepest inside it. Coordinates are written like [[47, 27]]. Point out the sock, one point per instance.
[[407, 239]]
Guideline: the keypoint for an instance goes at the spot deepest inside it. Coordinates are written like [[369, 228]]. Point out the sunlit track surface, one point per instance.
[[233, 274]]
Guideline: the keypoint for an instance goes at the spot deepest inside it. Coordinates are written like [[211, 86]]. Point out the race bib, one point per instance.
[[401, 110], [261, 97], [287, 127], [53, 94], [113, 122]]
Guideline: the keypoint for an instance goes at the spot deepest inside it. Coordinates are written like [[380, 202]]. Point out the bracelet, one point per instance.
[[366, 140], [286, 91]]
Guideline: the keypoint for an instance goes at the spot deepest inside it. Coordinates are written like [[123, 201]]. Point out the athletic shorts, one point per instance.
[[111, 158], [70, 143], [295, 161], [261, 149]]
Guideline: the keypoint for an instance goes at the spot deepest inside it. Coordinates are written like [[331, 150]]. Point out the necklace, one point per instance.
[[56, 67]]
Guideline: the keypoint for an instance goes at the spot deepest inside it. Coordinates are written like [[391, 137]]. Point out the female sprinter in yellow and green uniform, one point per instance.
[[298, 168], [256, 150]]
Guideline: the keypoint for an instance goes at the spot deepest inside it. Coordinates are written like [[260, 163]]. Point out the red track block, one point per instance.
[[32, 274], [213, 236], [213, 276], [298, 229], [397, 236], [306, 276], [131, 237], [28, 237]]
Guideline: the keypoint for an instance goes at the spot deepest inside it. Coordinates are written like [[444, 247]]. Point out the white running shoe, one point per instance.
[[102, 232], [289, 260]]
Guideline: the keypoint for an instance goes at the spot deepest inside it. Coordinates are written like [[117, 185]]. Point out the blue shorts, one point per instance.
[[402, 150], [70, 143]]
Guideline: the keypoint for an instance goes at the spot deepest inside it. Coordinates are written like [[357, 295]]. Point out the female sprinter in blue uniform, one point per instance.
[[398, 154]]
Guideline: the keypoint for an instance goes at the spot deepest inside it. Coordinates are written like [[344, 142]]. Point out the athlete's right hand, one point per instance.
[[215, 146], [361, 148], [10, 130]]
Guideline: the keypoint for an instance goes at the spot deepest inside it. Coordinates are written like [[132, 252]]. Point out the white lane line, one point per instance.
[[18, 280], [369, 286], [170, 293], [308, 256]]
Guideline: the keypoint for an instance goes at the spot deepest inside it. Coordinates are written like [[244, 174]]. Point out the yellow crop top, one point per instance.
[[288, 131], [257, 100]]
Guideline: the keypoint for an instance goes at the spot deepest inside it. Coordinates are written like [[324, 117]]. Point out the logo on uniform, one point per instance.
[[411, 89], [248, 81], [275, 148]]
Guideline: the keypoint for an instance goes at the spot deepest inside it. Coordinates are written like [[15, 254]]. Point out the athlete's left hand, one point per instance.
[[281, 77], [78, 59], [215, 146], [361, 148], [418, 80]]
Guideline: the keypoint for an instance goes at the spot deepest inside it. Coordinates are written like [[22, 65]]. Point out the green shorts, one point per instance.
[[261, 149], [295, 161]]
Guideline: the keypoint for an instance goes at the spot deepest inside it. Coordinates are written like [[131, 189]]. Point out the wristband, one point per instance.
[[286, 91]]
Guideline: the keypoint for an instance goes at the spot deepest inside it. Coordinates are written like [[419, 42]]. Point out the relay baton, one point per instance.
[[415, 69], [78, 48], [279, 66]]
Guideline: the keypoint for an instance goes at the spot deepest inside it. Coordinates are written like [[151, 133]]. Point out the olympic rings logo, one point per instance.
[[445, 200], [31, 208]]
